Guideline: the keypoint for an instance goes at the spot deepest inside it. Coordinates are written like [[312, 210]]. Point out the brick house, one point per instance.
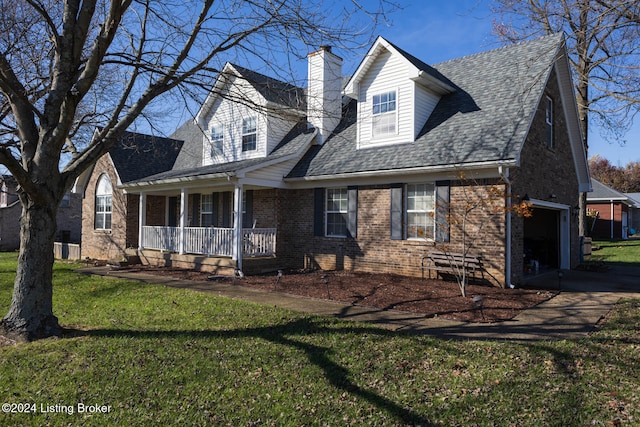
[[68, 228], [368, 175], [614, 212]]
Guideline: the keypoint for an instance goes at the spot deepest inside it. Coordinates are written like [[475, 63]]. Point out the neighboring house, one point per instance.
[[363, 176], [614, 212], [634, 213], [68, 220]]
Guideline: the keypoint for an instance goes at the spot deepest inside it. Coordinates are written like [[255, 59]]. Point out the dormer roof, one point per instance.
[[417, 70], [273, 91], [482, 122]]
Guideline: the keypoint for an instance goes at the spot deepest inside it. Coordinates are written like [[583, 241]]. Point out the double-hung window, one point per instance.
[[548, 118], [420, 211], [249, 134], [206, 210], [217, 139], [384, 114], [103, 204], [337, 207]]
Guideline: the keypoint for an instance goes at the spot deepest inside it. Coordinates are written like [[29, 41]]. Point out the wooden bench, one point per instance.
[[451, 263]]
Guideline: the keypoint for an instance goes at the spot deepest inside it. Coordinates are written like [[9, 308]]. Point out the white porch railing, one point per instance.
[[209, 240]]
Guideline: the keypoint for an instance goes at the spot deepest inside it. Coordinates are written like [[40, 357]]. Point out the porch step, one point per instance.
[[214, 265]]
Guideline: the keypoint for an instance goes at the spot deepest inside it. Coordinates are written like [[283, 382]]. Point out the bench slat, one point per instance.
[[450, 262]]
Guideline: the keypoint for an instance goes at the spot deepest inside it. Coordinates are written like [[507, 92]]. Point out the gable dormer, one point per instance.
[[396, 93], [246, 115]]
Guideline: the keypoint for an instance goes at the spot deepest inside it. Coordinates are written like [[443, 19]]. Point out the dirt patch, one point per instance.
[[432, 298]]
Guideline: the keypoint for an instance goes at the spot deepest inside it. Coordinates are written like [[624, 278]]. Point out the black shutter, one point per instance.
[[173, 211], [397, 214], [195, 212], [247, 217], [226, 209], [318, 211], [352, 213], [215, 202], [443, 195]]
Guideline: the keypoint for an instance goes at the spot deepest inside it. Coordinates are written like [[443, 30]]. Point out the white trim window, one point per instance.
[[421, 203], [217, 139], [548, 119], [104, 194], [206, 210], [249, 134], [385, 117], [336, 212]]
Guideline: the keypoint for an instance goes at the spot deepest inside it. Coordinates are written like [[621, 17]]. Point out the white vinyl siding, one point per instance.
[[384, 76], [270, 128], [425, 103]]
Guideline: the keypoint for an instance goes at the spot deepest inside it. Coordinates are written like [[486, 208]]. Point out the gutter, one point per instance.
[[404, 171]]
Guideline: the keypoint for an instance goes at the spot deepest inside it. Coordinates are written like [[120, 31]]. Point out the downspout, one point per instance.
[[504, 173], [612, 220]]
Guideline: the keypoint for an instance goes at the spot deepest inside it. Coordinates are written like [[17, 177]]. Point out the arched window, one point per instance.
[[103, 204]]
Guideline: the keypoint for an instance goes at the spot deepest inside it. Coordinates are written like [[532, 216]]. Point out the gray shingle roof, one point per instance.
[[485, 120], [190, 155], [297, 139], [274, 90], [137, 155], [601, 191]]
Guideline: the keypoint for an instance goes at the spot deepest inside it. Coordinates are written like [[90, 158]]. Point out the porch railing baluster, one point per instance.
[[210, 240]]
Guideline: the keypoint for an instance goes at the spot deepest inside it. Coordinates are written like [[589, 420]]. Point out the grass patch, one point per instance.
[[624, 252], [164, 356]]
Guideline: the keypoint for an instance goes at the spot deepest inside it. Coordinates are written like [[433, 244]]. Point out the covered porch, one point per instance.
[[212, 220]]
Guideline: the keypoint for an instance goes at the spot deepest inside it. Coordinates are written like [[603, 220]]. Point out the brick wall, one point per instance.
[[104, 244], [373, 250], [602, 228], [545, 174]]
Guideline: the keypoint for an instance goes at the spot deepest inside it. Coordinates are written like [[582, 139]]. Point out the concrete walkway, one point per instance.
[[584, 299]]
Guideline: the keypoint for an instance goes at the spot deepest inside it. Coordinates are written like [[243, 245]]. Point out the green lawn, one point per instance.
[[157, 356], [625, 252]]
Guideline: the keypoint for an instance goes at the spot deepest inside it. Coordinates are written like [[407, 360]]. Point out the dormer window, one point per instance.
[[249, 133], [217, 139], [384, 114]]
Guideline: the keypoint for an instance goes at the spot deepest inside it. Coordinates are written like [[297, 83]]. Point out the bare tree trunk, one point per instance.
[[31, 316]]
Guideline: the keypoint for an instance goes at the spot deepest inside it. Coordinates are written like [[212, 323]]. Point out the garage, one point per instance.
[[546, 238]]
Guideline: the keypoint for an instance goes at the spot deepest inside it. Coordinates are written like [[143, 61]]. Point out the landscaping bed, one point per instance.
[[430, 297]]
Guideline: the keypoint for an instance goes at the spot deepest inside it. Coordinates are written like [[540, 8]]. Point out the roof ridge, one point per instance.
[[508, 46], [259, 74]]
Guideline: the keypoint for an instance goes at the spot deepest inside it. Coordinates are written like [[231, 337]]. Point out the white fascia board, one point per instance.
[[172, 183], [570, 110], [452, 172]]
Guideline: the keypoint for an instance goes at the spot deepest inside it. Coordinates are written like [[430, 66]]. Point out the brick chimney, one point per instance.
[[324, 93]]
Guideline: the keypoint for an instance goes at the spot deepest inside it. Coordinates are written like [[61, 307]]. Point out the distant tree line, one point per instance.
[[625, 179]]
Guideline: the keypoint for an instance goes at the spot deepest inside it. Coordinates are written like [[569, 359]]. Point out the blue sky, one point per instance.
[[436, 31]]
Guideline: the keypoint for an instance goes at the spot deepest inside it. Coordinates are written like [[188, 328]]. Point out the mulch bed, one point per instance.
[[431, 297]]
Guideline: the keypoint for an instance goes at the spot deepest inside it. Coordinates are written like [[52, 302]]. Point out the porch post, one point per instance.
[[183, 220], [237, 226], [142, 216]]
